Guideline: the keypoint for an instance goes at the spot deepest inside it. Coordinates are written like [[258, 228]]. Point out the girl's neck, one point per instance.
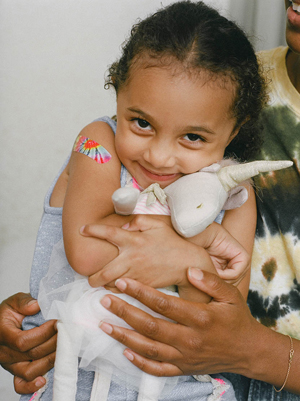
[[293, 69]]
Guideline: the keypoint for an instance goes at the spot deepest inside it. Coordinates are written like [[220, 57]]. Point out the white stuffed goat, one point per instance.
[[195, 201]]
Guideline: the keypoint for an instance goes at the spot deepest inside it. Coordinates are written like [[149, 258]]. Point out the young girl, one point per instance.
[[188, 93]]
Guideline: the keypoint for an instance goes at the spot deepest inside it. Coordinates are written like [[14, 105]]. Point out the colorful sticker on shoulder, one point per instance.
[[92, 149]]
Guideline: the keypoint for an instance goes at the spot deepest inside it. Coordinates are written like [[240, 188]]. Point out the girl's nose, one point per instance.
[[160, 155]]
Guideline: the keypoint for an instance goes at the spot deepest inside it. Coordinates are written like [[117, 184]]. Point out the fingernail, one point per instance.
[[121, 284], [40, 382], [81, 230], [197, 274], [128, 355], [33, 301], [125, 226], [106, 302], [106, 327]]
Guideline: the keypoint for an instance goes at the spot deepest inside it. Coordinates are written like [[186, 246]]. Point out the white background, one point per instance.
[[53, 58]]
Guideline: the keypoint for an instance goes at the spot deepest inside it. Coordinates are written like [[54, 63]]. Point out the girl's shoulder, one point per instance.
[[101, 133]]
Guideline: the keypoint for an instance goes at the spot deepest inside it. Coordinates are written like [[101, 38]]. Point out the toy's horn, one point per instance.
[[231, 176]]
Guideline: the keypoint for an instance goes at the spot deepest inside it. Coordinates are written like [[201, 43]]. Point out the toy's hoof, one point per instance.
[[125, 199]]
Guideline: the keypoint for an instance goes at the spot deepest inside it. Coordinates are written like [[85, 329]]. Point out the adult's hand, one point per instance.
[[207, 338], [28, 355]]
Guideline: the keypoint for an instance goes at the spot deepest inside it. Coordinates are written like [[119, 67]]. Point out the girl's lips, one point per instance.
[[159, 177], [293, 17]]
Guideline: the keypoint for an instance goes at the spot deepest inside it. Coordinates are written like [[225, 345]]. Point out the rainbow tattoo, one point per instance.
[[92, 149]]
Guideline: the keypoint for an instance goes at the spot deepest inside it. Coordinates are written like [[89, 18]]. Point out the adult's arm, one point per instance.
[[221, 336], [26, 354]]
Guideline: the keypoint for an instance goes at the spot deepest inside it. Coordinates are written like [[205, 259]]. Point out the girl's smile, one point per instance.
[[172, 123], [161, 177]]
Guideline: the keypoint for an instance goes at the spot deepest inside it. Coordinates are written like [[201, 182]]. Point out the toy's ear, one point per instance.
[[236, 197]]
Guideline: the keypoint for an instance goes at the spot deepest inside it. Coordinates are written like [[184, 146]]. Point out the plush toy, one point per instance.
[[195, 201]]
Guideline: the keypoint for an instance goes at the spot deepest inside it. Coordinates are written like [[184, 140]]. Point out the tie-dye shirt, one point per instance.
[[274, 296]]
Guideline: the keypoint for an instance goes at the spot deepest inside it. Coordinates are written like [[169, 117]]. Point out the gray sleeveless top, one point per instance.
[[49, 233]]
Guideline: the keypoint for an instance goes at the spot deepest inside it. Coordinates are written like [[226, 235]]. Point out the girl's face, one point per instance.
[[170, 125], [293, 25]]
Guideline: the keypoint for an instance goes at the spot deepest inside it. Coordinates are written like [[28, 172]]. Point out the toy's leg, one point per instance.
[[66, 366], [150, 387], [101, 387]]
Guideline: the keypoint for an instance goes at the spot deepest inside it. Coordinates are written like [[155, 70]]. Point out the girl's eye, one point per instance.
[[194, 138], [142, 123]]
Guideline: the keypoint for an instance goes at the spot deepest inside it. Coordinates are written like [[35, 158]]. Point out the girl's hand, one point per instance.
[[146, 242], [149, 251], [229, 257]]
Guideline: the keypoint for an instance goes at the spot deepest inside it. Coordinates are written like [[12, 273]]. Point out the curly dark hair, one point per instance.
[[202, 40]]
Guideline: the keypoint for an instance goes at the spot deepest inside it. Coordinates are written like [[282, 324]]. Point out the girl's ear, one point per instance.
[[233, 135], [236, 131]]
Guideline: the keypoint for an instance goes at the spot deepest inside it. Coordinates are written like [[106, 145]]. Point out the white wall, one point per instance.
[[53, 57]]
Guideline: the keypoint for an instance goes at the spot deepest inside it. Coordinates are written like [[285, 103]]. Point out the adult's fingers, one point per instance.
[[213, 286], [142, 345], [26, 340], [23, 303], [46, 348], [146, 324], [175, 308], [171, 307], [23, 387], [151, 366], [11, 356], [30, 370]]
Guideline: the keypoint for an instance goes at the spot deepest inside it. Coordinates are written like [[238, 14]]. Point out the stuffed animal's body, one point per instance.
[[195, 200]]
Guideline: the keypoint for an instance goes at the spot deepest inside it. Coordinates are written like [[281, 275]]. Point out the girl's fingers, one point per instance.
[[143, 223], [231, 274], [115, 235], [111, 272], [121, 236]]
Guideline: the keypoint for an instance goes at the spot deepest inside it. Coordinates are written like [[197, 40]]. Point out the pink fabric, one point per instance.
[[154, 208]]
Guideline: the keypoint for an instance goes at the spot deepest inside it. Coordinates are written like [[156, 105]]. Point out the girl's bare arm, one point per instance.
[[86, 195]]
